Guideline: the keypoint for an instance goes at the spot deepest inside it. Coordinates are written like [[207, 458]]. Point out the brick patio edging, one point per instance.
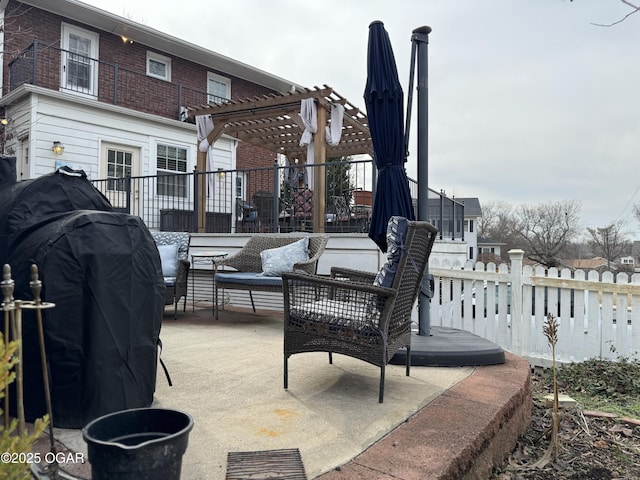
[[461, 435]]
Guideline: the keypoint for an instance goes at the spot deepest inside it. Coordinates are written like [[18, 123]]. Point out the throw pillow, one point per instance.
[[276, 261], [169, 259], [396, 235]]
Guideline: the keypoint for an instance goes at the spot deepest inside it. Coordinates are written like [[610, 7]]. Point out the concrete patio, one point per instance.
[[439, 423]]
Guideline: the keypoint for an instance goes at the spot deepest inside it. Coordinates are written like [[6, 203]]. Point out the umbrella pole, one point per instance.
[[420, 39]]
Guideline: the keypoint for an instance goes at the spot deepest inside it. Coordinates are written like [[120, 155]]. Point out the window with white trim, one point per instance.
[[158, 66], [171, 163], [118, 169], [79, 67], [218, 88]]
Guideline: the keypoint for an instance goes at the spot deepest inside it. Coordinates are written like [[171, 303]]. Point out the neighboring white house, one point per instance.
[[490, 247], [627, 261], [472, 216]]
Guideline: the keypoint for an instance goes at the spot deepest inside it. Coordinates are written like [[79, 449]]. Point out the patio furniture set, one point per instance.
[[365, 315]]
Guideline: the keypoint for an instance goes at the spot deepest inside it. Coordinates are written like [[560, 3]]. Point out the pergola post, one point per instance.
[[319, 173], [201, 163]]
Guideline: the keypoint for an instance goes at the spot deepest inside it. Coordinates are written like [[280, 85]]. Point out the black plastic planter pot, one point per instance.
[[138, 444]]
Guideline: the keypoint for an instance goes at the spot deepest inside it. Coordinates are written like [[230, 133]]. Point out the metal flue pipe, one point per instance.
[[420, 39]]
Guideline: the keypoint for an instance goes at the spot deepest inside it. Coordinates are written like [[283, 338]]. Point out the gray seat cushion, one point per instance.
[[247, 278]]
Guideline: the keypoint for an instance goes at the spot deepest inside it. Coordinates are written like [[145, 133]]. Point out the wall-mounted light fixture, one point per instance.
[[220, 173], [4, 121], [57, 148], [126, 40]]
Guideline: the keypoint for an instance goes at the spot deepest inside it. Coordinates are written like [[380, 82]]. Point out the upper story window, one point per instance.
[[158, 66], [79, 67], [468, 226], [218, 88]]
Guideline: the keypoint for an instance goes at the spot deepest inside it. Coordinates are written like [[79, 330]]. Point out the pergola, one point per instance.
[[273, 122]]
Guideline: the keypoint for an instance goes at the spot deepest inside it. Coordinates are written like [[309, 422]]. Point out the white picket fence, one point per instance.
[[598, 315]]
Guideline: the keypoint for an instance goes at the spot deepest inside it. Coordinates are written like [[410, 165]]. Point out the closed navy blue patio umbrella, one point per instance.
[[383, 98]]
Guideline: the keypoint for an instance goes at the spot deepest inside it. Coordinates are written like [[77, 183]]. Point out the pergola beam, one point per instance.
[[272, 121]]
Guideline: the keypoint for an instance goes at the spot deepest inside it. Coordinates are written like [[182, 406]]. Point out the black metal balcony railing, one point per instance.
[[58, 69], [270, 199]]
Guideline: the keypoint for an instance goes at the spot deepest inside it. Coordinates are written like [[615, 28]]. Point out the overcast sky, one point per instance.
[[528, 101]]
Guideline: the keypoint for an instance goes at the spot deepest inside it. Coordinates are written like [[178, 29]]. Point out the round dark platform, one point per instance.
[[449, 347]]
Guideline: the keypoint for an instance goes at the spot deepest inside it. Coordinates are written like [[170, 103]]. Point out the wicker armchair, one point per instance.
[[247, 264], [176, 287], [350, 314]]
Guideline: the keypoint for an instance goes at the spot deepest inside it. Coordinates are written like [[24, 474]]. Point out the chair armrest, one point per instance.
[[308, 266], [290, 279], [311, 265], [236, 261], [352, 275]]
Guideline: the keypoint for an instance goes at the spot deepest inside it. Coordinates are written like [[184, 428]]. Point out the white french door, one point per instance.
[[119, 163]]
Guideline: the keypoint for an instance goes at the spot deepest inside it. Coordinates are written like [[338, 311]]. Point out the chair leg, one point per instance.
[[330, 358], [286, 371], [381, 394], [408, 359], [175, 309], [252, 304], [215, 300]]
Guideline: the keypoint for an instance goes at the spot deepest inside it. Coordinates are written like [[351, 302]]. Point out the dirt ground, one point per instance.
[[591, 446]]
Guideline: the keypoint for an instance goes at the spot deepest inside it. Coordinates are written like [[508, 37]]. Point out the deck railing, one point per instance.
[[269, 199]]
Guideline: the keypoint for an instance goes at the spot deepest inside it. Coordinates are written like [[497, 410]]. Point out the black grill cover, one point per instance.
[[102, 270], [26, 203], [8, 172]]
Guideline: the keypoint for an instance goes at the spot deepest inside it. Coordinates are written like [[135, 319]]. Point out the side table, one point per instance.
[[205, 257]]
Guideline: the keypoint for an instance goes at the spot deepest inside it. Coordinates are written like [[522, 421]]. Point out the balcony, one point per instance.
[[61, 70], [270, 199]]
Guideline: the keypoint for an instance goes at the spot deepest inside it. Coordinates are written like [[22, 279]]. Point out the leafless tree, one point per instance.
[[609, 242], [546, 230], [636, 211], [494, 214], [498, 224], [626, 2]]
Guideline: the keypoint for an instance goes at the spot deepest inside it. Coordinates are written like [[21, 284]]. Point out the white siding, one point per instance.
[[83, 125]]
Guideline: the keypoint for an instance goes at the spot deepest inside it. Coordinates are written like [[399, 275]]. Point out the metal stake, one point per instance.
[[16, 326], [38, 305], [7, 306]]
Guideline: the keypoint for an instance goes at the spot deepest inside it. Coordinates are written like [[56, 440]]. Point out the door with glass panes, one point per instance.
[[120, 163]]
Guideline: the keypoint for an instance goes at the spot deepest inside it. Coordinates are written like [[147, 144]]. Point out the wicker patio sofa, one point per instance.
[[248, 264], [363, 315]]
